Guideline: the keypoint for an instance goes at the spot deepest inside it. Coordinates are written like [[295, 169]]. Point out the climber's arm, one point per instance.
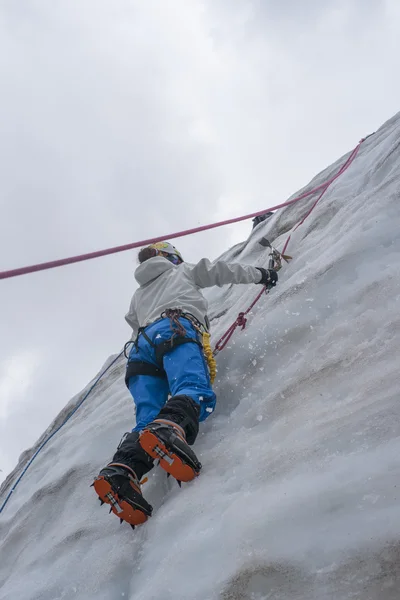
[[205, 274]]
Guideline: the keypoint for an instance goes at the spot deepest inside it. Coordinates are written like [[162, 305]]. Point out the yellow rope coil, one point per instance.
[[212, 365]]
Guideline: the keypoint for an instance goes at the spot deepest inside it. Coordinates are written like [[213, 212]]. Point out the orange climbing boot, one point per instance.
[[165, 440], [119, 486]]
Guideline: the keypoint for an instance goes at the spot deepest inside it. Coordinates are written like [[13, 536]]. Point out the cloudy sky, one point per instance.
[[131, 119]]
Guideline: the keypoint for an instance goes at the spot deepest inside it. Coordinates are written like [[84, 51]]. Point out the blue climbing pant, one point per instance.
[[186, 373]]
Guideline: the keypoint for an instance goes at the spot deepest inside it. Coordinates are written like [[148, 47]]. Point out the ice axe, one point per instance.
[[275, 261]]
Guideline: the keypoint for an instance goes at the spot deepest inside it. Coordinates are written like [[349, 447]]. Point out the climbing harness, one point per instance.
[[177, 338]]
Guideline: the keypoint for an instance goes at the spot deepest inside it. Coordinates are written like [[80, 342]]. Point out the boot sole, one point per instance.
[[169, 460], [120, 507]]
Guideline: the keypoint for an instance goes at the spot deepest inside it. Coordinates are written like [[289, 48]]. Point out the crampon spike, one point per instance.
[[92, 484], [134, 510], [179, 482], [121, 521], [168, 475], [177, 461], [101, 502], [133, 527]]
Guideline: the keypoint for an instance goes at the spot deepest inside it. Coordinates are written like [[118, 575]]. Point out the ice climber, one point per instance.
[[167, 373]]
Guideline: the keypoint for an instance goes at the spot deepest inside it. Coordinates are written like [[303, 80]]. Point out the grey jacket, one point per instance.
[[165, 285]]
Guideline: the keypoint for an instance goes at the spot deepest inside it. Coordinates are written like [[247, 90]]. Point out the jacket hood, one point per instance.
[[152, 268]]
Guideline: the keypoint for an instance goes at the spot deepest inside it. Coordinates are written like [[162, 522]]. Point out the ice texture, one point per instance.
[[298, 498]]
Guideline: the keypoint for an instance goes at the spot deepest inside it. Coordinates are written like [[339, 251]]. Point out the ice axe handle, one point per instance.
[[271, 265]]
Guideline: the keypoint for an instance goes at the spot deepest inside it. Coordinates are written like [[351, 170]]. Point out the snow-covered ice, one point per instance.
[[299, 494]]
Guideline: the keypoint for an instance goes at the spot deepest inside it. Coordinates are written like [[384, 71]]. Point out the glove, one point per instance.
[[269, 277]]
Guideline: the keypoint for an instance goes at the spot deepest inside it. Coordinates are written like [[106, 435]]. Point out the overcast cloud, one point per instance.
[[126, 120]]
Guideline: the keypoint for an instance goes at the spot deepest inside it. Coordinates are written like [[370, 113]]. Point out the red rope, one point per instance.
[[345, 166], [240, 322], [81, 257], [241, 319]]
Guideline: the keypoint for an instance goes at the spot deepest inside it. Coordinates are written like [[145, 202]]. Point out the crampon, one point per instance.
[[118, 486], [165, 441]]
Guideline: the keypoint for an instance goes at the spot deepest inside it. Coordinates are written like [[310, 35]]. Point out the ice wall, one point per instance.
[[298, 497]]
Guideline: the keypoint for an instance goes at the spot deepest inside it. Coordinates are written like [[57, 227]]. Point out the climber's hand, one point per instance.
[[269, 277]]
